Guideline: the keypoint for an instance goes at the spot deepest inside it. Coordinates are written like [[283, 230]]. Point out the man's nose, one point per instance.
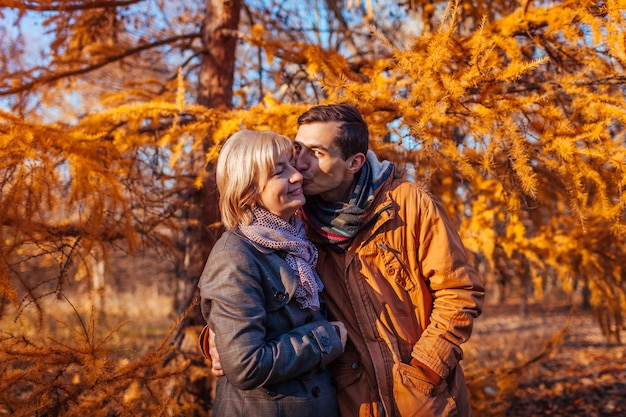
[[300, 162]]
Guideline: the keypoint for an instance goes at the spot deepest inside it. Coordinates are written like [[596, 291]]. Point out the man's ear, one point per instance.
[[355, 162]]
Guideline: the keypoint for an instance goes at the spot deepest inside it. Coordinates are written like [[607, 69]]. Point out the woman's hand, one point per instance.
[[341, 331]]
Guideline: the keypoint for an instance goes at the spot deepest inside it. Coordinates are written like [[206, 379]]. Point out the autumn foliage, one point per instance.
[[512, 114]]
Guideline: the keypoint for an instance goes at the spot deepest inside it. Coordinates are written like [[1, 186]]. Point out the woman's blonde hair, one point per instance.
[[244, 164]]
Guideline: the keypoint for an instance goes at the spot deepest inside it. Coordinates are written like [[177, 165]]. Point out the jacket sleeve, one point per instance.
[[233, 303], [457, 292]]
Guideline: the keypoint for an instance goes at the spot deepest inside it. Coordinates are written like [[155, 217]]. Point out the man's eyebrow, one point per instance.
[[313, 146]]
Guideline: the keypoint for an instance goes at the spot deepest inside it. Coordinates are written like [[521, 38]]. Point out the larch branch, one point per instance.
[[92, 67], [63, 6]]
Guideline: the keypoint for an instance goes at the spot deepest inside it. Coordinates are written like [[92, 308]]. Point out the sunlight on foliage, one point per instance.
[[512, 113]]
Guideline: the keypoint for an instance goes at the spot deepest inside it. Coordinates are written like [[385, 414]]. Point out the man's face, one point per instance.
[[325, 171]]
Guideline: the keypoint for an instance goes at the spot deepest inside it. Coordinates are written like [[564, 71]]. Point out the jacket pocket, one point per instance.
[[345, 371], [417, 397], [395, 267]]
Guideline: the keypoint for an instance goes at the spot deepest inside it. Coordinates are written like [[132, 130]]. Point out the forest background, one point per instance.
[[112, 114]]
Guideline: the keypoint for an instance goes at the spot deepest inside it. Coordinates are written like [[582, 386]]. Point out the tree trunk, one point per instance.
[[523, 266], [215, 89], [218, 59]]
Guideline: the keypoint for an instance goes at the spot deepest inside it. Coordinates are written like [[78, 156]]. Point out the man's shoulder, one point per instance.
[[402, 188]]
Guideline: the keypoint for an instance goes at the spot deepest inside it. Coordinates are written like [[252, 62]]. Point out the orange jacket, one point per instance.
[[405, 290]]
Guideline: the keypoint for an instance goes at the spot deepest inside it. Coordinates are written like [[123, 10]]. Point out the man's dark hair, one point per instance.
[[353, 133]]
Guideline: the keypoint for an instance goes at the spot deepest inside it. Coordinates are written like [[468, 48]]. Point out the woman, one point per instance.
[[260, 291]]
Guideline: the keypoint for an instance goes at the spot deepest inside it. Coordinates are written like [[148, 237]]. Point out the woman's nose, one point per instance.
[[295, 176]]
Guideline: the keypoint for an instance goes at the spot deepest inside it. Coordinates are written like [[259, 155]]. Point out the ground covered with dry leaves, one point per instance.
[[553, 362]]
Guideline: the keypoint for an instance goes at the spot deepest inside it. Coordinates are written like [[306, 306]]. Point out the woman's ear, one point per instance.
[[355, 162]]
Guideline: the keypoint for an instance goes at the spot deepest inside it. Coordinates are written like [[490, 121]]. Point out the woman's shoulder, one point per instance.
[[233, 241], [232, 252], [230, 237]]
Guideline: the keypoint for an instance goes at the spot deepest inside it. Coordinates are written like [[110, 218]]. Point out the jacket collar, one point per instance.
[[263, 249]]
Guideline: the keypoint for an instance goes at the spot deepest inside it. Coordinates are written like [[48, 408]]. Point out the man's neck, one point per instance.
[[341, 194]]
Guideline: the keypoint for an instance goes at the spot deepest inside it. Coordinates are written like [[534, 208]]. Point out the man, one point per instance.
[[395, 273]]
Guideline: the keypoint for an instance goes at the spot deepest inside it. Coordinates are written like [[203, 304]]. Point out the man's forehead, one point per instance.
[[317, 135]]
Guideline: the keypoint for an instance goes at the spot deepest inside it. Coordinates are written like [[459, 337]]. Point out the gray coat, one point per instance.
[[273, 353]]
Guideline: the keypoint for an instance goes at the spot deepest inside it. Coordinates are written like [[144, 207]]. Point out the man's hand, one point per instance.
[[216, 365], [427, 373]]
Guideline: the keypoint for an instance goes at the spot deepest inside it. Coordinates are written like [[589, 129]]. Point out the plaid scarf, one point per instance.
[[337, 223], [270, 231]]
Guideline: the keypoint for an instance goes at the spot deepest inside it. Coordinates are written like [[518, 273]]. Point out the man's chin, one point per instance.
[[308, 191]]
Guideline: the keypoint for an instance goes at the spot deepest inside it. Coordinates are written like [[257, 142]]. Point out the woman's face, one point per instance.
[[282, 194]]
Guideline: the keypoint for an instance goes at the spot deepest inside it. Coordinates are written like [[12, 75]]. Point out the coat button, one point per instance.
[[325, 342], [316, 392], [280, 296]]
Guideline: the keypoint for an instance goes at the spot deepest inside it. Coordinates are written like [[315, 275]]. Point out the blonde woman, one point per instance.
[[260, 291]]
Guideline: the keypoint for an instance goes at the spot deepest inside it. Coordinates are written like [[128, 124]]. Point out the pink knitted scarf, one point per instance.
[[272, 232]]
